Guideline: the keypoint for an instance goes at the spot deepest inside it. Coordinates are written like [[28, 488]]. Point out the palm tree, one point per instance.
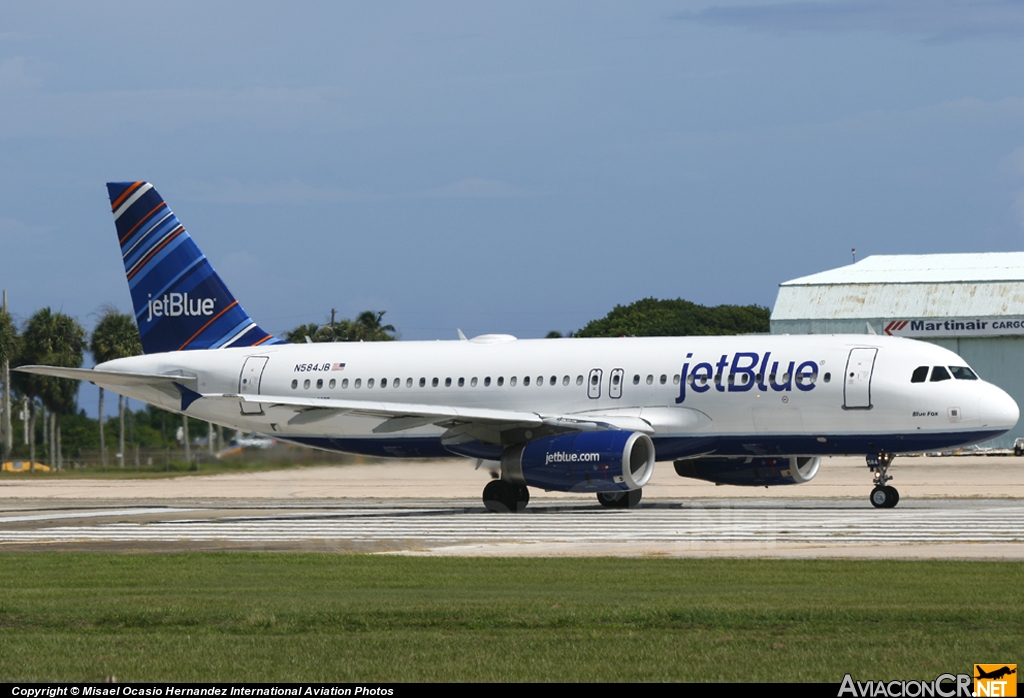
[[116, 336], [8, 350], [54, 339], [369, 328]]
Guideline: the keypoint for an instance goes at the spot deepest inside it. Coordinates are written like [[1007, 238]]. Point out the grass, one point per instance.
[[312, 617]]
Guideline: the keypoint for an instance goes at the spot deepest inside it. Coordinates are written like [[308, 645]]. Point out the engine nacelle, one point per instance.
[[592, 461], [759, 472]]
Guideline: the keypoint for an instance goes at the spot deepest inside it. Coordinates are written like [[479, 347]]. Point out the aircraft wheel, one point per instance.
[[620, 500], [880, 498], [894, 496], [504, 497]]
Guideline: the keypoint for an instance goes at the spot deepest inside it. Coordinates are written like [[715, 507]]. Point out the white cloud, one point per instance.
[[935, 20], [75, 114], [476, 188], [232, 191]]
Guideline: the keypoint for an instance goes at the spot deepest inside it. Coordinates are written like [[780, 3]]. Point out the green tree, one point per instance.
[[367, 327], [651, 317], [52, 339], [299, 334], [115, 336]]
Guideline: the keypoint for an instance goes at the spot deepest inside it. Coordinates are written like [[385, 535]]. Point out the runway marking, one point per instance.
[[89, 514], [440, 525]]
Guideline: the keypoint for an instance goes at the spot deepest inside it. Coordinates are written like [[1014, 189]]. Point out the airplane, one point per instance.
[[994, 674], [569, 415]]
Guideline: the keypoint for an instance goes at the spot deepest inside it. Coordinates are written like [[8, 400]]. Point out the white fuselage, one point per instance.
[[746, 395]]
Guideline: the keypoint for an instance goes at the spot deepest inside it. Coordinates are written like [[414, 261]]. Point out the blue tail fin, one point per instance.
[[180, 302]]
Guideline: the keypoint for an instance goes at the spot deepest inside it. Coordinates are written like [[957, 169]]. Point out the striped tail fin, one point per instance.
[[180, 302]]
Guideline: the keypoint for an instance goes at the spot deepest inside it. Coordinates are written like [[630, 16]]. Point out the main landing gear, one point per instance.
[[620, 500], [504, 497], [883, 496]]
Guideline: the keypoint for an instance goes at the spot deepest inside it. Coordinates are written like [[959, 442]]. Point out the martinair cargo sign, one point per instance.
[[937, 327]]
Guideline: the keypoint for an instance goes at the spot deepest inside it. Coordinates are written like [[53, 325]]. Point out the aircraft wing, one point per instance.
[[311, 410], [479, 422]]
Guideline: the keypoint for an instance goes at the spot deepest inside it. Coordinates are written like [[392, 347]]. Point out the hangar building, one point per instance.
[[972, 304]]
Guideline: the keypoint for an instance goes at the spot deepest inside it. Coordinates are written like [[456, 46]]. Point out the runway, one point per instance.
[[822, 528], [951, 508]]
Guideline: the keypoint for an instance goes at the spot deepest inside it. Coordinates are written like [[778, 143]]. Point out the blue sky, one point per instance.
[[505, 167]]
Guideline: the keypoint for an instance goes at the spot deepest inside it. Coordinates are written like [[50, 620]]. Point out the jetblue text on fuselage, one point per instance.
[[745, 369], [178, 304]]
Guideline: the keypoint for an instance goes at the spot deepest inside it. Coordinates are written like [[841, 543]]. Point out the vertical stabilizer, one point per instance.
[[180, 302]]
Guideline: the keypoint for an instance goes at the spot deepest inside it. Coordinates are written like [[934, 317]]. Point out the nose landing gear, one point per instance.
[[883, 496]]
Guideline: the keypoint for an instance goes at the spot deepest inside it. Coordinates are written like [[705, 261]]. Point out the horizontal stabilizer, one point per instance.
[[104, 378]]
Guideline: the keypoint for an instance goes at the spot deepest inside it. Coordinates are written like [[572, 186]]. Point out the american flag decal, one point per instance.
[[337, 367]]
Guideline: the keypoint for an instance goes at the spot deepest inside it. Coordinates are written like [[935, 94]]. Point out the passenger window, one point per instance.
[[512, 381], [358, 383], [423, 382], [472, 383], [636, 379], [565, 380], [319, 383], [369, 384], [540, 380], [331, 384], [554, 380], [408, 382], [501, 381], [663, 379], [447, 382], [616, 378], [675, 379], [462, 382], [383, 382], [487, 382], [962, 373], [434, 383], [396, 383], [939, 373], [295, 384], [920, 375], [344, 383], [526, 380], [828, 377], [305, 384], [650, 379], [579, 380]]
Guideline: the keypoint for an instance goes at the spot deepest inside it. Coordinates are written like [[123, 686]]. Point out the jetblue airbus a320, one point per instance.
[[571, 415]]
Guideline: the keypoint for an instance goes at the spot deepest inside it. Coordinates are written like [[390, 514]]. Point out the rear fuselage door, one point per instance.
[[857, 384], [249, 381]]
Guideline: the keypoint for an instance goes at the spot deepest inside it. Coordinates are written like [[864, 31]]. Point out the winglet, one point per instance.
[[188, 396]]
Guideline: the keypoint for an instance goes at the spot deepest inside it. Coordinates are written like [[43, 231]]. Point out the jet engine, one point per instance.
[[593, 461], [760, 472]]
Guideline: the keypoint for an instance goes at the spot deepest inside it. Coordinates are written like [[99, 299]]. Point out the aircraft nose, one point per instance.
[[998, 409]]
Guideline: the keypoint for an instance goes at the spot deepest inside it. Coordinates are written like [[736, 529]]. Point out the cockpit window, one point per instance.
[[962, 373], [920, 375], [939, 373]]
